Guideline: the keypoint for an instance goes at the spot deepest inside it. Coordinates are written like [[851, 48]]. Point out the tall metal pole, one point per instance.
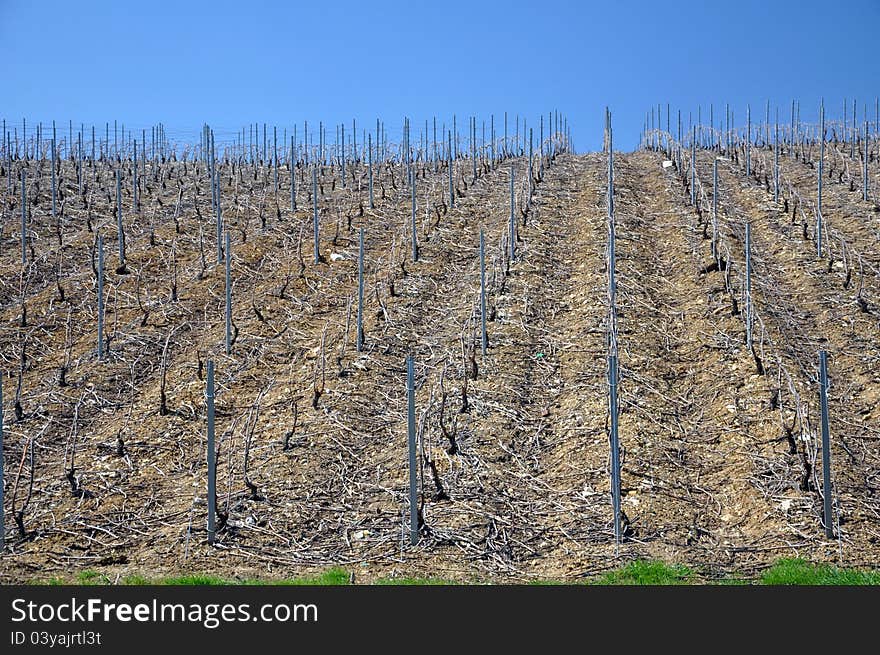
[[414, 235], [615, 445], [748, 140], [211, 453], [228, 295], [292, 165], [749, 286], [2, 516], [411, 438], [826, 443], [512, 218], [100, 297], [715, 210], [865, 148], [23, 217], [819, 179], [360, 308], [315, 212], [370, 166], [776, 158], [484, 337], [451, 165]]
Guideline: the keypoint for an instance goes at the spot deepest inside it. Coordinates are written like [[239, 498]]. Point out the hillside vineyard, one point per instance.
[[467, 351]]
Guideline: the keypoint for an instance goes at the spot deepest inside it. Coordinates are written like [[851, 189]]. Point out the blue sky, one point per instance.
[[231, 63]]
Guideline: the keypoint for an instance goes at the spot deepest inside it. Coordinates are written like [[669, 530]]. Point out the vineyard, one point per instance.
[[474, 356]]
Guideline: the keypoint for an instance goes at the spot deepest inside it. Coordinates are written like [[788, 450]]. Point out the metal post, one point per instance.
[[748, 140], [749, 286], [484, 337], [715, 210], [826, 443], [776, 158], [100, 297], [2, 516], [865, 148], [342, 170], [54, 182], [819, 179], [415, 242], [315, 212], [228, 295], [211, 453], [370, 166], [216, 182], [512, 217], [292, 165], [694, 166], [23, 217], [120, 240], [411, 438], [134, 179], [615, 445], [360, 309], [451, 165]]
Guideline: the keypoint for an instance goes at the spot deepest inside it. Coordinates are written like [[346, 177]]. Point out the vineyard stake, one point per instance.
[[819, 179], [615, 445], [748, 140], [211, 454], [826, 443], [451, 165], [360, 309], [54, 182], [292, 165], [370, 166], [715, 212], [749, 286], [100, 297], [865, 171], [2, 516], [315, 211], [512, 218], [411, 438], [415, 243], [776, 158], [228, 295], [484, 338]]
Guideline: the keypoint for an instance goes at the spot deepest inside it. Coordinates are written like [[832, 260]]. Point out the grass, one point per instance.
[[413, 581], [647, 573], [801, 572], [639, 572]]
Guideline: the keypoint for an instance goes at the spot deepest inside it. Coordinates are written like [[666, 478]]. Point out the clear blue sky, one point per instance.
[[230, 63]]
